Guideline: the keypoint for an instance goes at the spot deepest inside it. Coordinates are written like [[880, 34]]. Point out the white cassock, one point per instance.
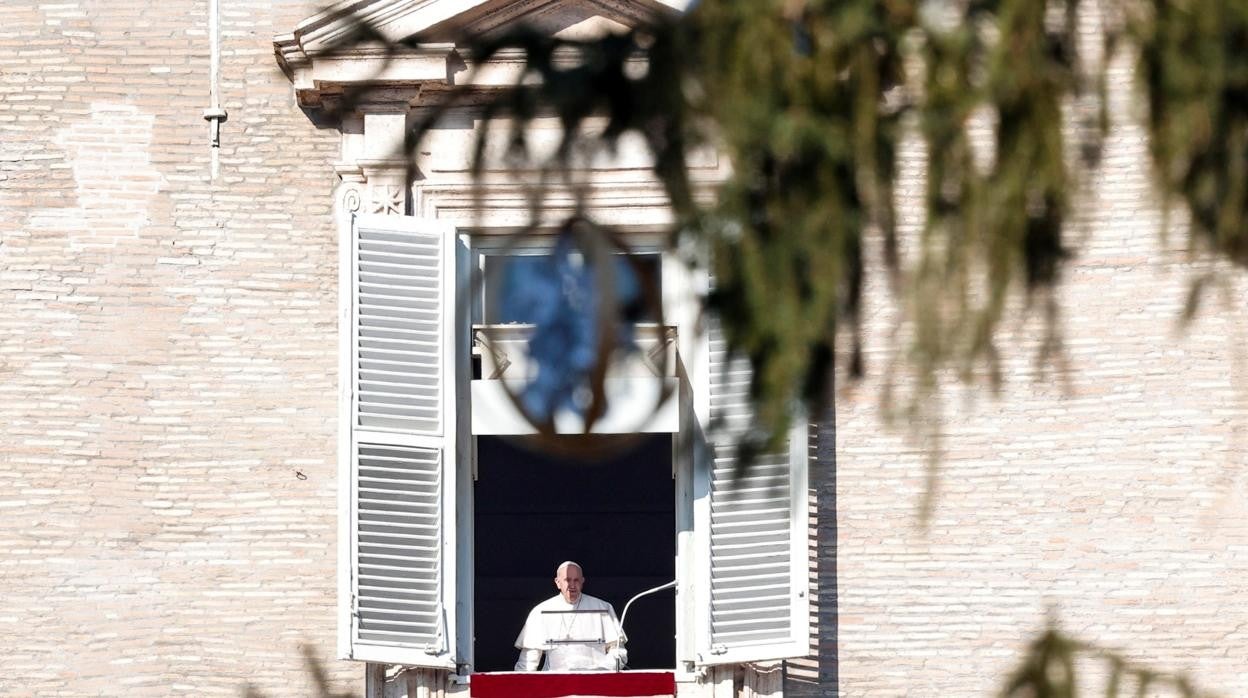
[[554, 633]]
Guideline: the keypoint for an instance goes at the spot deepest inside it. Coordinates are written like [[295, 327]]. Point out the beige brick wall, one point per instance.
[[167, 357], [1110, 495], [167, 495]]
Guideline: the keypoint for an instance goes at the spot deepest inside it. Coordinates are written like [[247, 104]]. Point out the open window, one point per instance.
[[606, 500], [427, 579], [613, 512]]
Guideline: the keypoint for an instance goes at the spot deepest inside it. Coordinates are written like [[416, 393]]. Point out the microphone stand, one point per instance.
[[624, 615]]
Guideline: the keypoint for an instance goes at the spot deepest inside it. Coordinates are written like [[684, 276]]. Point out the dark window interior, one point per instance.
[[613, 513]]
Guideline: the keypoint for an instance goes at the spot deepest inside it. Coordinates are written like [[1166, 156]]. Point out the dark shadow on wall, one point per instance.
[[818, 673], [318, 677]]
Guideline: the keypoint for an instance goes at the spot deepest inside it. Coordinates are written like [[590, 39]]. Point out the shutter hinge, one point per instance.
[[719, 649], [355, 620]]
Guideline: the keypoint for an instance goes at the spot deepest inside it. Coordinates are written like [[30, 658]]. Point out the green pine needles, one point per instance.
[[810, 100]]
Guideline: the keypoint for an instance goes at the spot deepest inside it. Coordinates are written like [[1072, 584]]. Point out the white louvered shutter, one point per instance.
[[756, 605], [404, 373]]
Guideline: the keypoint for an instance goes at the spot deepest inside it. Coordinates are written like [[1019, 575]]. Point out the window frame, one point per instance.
[[682, 289], [680, 308]]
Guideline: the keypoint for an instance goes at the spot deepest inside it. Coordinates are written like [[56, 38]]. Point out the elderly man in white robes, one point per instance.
[[575, 631]]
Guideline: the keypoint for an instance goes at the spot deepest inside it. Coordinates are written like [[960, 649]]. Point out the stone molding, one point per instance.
[[321, 73]]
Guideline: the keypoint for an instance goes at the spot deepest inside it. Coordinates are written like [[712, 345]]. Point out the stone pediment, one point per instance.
[[570, 18], [312, 56]]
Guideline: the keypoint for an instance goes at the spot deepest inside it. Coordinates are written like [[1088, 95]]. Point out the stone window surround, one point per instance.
[[374, 177]]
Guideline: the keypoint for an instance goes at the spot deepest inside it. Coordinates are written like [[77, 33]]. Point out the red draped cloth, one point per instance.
[[546, 684]]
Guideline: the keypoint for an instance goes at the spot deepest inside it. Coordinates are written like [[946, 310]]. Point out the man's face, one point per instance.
[[569, 581]]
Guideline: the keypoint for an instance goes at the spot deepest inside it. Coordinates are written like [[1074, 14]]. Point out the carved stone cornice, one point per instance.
[[322, 60], [489, 17], [391, 77], [350, 172], [383, 168], [395, 20]]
